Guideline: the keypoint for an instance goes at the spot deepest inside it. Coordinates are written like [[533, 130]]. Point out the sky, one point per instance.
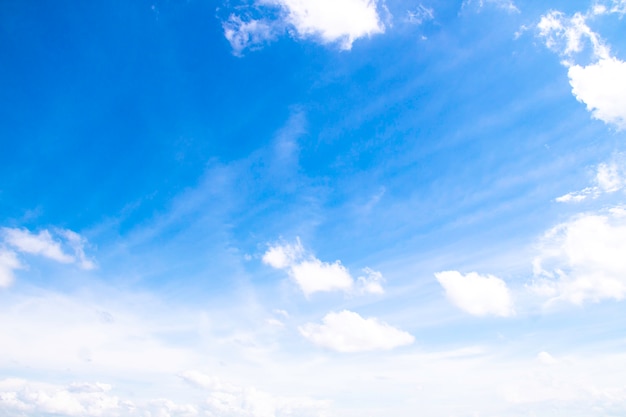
[[313, 208]]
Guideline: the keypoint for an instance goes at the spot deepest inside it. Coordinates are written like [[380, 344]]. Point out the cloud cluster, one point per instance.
[[601, 85], [229, 400], [347, 331], [24, 398], [312, 275], [478, 295], [327, 21], [583, 259], [40, 244], [610, 177]]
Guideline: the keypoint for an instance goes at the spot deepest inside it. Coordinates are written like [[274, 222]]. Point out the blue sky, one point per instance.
[[306, 208]]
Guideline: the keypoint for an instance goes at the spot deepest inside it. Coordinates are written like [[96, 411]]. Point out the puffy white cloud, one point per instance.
[[610, 177], [8, 264], [602, 88], [282, 256], [601, 85], [477, 294], [347, 331], [313, 275], [583, 259], [341, 21], [328, 21]]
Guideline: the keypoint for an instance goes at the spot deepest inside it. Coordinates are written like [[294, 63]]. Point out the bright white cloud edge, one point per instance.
[[328, 21], [478, 295], [313, 275], [347, 331]]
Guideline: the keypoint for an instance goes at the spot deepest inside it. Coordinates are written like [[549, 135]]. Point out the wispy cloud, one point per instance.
[[8, 263], [44, 244], [507, 5], [610, 177], [420, 15]]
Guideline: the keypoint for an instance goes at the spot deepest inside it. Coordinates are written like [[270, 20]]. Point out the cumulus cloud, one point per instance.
[[328, 21], [602, 88], [312, 275], [610, 177], [601, 85], [24, 398], [347, 331], [478, 295], [583, 259]]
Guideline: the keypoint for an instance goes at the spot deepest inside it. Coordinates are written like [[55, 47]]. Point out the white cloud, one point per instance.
[[282, 256], [36, 244], [613, 6], [583, 259], [347, 331], [477, 294], [24, 398], [8, 264], [507, 5], [601, 85], [328, 21], [342, 21], [545, 358], [602, 88], [372, 282], [610, 177], [420, 15], [77, 243], [230, 400], [43, 244], [313, 275], [248, 34]]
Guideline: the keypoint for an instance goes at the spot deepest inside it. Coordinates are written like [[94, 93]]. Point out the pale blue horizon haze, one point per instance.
[[313, 208]]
